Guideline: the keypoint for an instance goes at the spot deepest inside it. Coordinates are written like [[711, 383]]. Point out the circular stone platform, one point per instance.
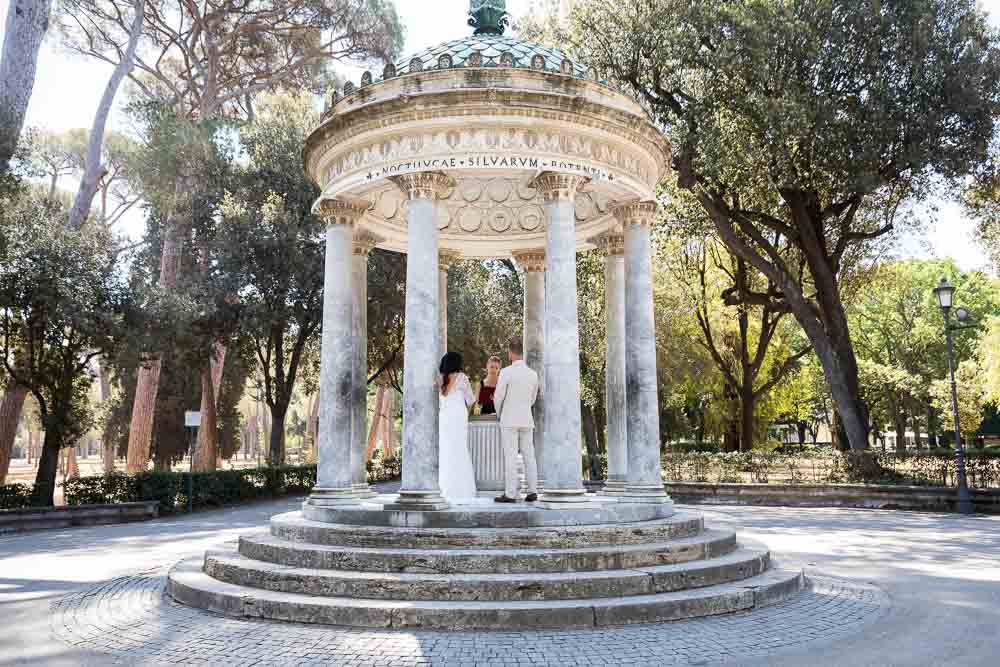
[[131, 620], [485, 566]]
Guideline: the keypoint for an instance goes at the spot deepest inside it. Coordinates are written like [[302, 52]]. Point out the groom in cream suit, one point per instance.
[[516, 392]]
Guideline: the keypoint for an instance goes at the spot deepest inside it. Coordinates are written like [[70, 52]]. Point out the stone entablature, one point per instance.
[[493, 132]]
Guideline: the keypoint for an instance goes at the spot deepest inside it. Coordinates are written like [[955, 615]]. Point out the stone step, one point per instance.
[[709, 544], [597, 510], [230, 567], [188, 584], [295, 528]]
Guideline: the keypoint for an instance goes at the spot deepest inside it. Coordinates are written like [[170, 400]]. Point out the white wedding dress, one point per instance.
[[456, 476]]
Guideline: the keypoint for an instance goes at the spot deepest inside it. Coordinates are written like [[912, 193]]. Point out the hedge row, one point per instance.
[[830, 467], [211, 489], [15, 496]]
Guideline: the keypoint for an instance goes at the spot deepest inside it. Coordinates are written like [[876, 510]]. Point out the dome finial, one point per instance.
[[488, 17]]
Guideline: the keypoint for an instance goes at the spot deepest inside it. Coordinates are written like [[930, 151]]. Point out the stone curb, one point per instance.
[[294, 528], [709, 544], [860, 496], [189, 585], [230, 567], [68, 516]]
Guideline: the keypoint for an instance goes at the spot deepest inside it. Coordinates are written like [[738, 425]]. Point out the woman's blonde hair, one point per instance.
[[492, 359]]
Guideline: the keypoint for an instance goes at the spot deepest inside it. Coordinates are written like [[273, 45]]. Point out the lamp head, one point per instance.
[[945, 294]]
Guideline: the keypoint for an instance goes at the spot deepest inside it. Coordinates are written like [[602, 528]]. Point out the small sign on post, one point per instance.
[[192, 420]]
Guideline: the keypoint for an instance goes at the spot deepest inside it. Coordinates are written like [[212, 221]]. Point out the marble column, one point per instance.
[[445, 260], [420, 489], [645, 475], [563, 458], [613, 244], [532, 264], [333, 474], [364, 242]]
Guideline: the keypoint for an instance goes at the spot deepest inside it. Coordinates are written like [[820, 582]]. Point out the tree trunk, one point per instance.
[[276, 449], [932, 428], [837, 434], [48, 465], [210, 418], [378, 420], [205, 451], [748, 403], [731, 438], [140, 435], [390, 422], [800, 427], [72, 465], [94, 169], [899, 423], [107, 444], [310, 444], [27, 22], [10, 416], [590, 438]]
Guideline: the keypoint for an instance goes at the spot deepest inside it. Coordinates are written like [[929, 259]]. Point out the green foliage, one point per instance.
[[270, 249], [213, 489], [779, 143], [15, 496], [485, 309], [823, 466], [63, 301]]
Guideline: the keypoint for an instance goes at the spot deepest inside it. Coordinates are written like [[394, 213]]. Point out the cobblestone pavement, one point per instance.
[[87, 597], [132, 620]]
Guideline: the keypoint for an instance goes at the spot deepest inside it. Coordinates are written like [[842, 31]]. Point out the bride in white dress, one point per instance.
[[456, 476]]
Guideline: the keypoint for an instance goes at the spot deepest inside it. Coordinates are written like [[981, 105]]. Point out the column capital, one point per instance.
[[611, 243], [446, 258], [555, 186], [364, 243], [637, 213], [424, 184], [531, 261], [339, 212]]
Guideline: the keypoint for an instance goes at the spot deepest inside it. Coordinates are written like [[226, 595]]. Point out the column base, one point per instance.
[[614, 487], [333, 497], [653, 494], [419, 501], [559, 499], [364, 490]]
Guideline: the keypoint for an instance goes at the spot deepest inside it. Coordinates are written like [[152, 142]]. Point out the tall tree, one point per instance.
[[270, 251], [209, 60], [798, 118], [27, 23], [62, 302], [94, 170], [740, 316]]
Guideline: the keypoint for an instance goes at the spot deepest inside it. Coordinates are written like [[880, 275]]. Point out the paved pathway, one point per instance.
[[893, 588]]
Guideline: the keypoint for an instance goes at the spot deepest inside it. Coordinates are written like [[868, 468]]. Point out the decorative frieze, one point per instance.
[[424, 184], [339, 212], [555, 186]]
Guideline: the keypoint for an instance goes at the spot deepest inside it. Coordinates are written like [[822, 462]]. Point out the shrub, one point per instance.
[[210, 489], [15, 496]]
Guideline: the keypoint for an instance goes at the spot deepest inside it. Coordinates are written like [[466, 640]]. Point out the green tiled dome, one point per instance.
[[491, 48]]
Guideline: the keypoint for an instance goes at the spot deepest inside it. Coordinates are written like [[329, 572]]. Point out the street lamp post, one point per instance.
[[945, 294]]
